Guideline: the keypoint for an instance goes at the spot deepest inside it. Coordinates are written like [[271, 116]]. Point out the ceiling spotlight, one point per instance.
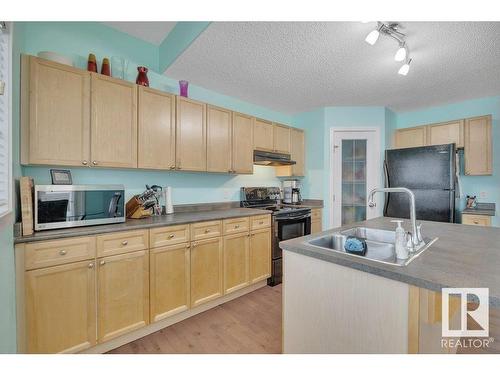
[[400, 53], [372, 37], [405, 68]]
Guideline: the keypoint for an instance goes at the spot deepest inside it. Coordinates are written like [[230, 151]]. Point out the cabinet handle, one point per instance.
[[261, 222], [171, 235], [476, 222], [188, 246], [62, 252], [102, 262], [125, 243], [94, 162], [207, 230], [236, 226], [84, 162], [248, 235], [172, 167], [91, 265], [193, 244]]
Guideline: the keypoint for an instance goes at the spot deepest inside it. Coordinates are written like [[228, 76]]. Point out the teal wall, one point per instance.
[[471, 185], [7, 289]]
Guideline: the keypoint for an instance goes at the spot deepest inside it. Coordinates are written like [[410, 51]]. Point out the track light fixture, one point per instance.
[[392, 30]]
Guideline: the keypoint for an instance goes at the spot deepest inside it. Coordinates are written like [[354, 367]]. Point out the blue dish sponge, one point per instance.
[[355, 245]]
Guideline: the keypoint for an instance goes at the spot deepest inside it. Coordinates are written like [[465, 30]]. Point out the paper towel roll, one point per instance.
[[167, 196]]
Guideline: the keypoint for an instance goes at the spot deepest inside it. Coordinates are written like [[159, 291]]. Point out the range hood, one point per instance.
[[271, 159]]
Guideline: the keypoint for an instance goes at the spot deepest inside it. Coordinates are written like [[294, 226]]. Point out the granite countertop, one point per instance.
[[151, 222], [487, 209], [463, 256]]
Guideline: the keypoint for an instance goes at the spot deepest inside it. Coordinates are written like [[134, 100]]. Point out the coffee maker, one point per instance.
[[291, 192]]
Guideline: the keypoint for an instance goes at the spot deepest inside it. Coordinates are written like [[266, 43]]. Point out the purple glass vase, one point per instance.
[[183, 87]]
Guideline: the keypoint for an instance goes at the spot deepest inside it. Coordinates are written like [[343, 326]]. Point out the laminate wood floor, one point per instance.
[[248, 324]]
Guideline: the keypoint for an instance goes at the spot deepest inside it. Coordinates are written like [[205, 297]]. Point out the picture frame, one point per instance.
[[61, 177]]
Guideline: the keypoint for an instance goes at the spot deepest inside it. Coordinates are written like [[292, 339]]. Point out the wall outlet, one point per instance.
[[483, 194]]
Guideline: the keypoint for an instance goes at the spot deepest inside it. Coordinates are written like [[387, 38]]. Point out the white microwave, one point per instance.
[[66, 206]]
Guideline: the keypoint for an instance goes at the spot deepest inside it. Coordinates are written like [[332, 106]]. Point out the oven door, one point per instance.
[[287, 228]]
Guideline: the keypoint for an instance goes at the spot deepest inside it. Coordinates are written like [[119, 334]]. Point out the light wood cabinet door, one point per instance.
[[236, 262], [446, 132], [411, 137], [260, 255], [316, 226], [123, 294], [206, 271], [156, 137], [242, 152], [113, 123], [191, 133], [169, 281], [55, 115], [263, 135], [477, 149], [219, 122], [61, 308], [297, 152], [281, 139]]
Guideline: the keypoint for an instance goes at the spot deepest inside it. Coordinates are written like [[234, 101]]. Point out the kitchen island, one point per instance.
[[338, 303]]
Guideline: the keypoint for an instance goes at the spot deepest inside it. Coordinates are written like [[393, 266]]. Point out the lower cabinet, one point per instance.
[[60, 308], [316, 220], [169, 280], [480, 220], [123, 294], [236, 261], [260, 255], [206, 271]]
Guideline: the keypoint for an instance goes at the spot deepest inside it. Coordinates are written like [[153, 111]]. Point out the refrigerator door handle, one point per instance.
[[386, 184]]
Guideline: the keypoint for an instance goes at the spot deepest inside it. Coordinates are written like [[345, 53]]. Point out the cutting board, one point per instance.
[[26, 189]]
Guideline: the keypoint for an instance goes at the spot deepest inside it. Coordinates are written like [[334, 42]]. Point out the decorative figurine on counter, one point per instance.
[[92, 63], [142, 76], [105, 67], [471, 201]]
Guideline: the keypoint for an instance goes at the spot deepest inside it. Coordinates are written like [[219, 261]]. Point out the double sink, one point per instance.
[[380, 245]]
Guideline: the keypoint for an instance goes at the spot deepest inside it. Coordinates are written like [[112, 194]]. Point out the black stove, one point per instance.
[[288, 221]]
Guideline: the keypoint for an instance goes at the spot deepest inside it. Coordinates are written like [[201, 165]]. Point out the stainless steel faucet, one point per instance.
[[416, 236]]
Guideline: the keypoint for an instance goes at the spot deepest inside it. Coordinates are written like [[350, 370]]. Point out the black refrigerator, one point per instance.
[[429, 172]]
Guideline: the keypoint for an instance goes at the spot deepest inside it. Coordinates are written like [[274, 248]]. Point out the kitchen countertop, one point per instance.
[[463, 256], [487, 209], [151, 222]]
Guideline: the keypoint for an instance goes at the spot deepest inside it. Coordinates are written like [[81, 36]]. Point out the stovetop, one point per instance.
[[268, 198]]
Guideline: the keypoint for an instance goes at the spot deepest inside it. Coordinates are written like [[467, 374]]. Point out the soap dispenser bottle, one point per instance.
[[400, 243]]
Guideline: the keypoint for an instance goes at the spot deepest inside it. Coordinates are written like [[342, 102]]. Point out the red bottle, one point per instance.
[[142, 76], [105, 68], [91, 63]]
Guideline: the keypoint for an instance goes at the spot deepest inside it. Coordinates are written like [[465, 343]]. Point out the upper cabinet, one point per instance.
[[156, 137], [446, 132], [477, 148], [113, 122], [191, 128], [473, 134], [281, 138], [411, 137], [263, 135], [72, 117], [55, 113], [242, 144], [297, 151], [219, 123]]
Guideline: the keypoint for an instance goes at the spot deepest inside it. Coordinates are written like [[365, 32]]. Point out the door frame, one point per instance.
[[331, 176]]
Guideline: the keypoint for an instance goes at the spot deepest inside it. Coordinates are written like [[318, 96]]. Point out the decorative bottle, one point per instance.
[[142, 76], [91, 63]]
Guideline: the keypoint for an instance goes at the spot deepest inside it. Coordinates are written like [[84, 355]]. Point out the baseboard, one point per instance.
[[156, 326]]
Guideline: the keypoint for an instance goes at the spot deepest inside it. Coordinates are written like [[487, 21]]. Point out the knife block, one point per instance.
[[135, 210]]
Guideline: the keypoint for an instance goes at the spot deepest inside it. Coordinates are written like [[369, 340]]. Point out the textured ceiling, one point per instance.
[[152, 32], [298, 66]]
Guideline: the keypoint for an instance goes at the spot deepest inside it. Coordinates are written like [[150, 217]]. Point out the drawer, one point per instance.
[[316, 213], [207, 229], [122, 242], [52, 253], [481, 220], [172, 235], [261, 221], [238, 225]]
